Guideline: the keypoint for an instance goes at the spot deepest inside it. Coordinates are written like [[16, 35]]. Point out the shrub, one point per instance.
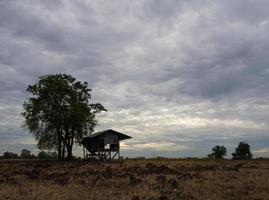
[[10, 155], [25, 154], [47, 155]]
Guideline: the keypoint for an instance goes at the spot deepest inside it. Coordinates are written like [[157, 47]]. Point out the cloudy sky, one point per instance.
[[179, 76]]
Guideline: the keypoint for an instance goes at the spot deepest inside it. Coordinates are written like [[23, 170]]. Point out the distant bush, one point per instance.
[[191, 158], [139, 158], [47, 155], [210, 156], [262, 158], [9, 155], [25, 154], [160, 158], [242, 152]]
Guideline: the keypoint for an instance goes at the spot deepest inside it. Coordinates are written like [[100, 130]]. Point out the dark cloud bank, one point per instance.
[[179, 76]]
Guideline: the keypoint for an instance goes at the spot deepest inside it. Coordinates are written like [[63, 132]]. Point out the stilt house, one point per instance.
[[104, 145]]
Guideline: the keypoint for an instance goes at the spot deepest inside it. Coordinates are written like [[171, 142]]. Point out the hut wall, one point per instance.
[[111, 139]]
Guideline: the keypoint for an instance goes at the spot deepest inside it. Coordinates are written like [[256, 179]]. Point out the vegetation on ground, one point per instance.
[[134, 179], [26, 154]]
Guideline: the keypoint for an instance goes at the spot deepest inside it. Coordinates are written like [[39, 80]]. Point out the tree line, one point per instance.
[[242, 152], [26, 154]]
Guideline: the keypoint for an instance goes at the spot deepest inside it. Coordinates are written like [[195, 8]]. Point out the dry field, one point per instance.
[[158, 179]]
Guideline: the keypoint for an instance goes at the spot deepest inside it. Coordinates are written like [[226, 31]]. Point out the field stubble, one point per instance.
[[149, 179]]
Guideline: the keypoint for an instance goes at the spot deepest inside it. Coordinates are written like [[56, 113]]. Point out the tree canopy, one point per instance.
[[242, 152], [59, 112], [25, 154], [219, 152]]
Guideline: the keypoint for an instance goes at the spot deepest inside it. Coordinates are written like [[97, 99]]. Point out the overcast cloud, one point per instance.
[[178, 76]]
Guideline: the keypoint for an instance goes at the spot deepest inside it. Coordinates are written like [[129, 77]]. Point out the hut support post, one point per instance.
[[83, 152], [119, 152]]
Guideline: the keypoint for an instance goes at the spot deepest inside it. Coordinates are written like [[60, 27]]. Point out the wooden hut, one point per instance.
[[104, 145]]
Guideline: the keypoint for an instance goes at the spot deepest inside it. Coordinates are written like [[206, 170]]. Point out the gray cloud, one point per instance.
[[188, 74]]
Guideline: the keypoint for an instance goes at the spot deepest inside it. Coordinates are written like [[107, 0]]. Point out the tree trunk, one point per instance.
[[69, 151], [68, 142], [59, 146], [63, 150]]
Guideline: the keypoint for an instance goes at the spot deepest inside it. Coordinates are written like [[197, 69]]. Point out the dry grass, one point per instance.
[[135, 179]]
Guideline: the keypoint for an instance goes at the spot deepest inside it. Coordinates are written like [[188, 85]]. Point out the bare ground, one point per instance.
[[155, 179]]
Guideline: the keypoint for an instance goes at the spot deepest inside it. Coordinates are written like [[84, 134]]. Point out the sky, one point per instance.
[[179, 76]]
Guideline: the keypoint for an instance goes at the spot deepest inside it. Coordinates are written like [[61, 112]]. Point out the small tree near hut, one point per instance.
[[59, 112]]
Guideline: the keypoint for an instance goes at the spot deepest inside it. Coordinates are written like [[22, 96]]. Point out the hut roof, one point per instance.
[[109, 131]]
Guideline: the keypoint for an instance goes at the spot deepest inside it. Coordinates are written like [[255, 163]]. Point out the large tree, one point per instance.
[[59, 112]]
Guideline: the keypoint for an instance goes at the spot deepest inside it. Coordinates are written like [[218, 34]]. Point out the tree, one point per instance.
[[242, 152], [25, 154], [10, 155], [59, 112], [218, 152]]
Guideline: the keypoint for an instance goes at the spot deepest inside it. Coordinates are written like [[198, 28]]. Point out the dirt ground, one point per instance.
[[149, 179]]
